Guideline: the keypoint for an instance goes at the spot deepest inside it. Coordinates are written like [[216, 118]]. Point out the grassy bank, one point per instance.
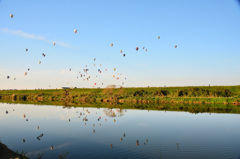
[[190, 95], [5, 152]]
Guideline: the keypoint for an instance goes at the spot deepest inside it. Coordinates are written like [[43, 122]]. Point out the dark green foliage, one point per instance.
[[24, 97], [227, 93], [200, 92], [140, 93], [213, 94], [182, 93], [161, 92]]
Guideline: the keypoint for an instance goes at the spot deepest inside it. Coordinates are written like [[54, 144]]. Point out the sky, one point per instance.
[[206, 34]]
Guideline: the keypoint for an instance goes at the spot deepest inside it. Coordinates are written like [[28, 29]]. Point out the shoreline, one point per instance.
[[191, 108], [159, 95], [5, 152]]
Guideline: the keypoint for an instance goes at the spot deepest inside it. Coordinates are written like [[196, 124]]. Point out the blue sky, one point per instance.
[[206, 33]]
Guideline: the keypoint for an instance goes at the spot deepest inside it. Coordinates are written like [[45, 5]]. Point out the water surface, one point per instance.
[[113, 133]]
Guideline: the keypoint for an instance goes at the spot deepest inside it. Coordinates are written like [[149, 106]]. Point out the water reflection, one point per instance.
[[86, 132], [114, 112], [177, 146], [192, 108]]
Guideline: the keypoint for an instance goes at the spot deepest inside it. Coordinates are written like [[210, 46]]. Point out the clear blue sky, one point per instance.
[[206, 33]]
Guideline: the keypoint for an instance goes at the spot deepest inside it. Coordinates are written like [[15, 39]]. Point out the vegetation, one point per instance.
[[194, 95], [5, 152], [192, 108]]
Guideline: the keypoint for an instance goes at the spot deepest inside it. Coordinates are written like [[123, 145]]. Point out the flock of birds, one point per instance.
[[84, 115], [83, 74]]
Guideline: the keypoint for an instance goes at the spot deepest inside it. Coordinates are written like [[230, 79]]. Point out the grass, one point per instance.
[[5, 152], [200, 95]]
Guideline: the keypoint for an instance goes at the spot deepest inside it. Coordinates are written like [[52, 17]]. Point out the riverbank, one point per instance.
[[5, 152], [188, 95]]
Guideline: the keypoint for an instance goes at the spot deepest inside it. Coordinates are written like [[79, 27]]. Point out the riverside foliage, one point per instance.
[[208, 95]]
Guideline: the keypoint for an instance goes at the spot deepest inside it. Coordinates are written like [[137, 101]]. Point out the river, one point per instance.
[[82, 132]]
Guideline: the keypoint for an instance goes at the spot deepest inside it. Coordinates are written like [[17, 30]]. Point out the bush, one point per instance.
[[227, 93], [140, 93], [161, 92], [182, 93]]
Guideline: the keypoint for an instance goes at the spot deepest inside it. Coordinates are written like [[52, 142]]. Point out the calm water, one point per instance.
[[132, 133]]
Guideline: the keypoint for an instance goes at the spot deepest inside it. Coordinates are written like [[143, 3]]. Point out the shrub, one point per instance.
[[161, 92], [140, 93], [182, 93], [227, 93]]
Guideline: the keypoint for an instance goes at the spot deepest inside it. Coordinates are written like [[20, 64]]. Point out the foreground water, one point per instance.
[[68, 132]]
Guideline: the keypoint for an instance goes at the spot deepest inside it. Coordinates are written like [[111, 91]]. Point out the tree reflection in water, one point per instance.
[[114, 112]]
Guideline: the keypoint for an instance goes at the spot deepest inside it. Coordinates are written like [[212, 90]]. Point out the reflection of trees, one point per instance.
[[114, 112], [67, 105], [177, 146]]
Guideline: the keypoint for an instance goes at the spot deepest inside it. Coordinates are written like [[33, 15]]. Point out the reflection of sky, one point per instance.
[[195, 134]]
